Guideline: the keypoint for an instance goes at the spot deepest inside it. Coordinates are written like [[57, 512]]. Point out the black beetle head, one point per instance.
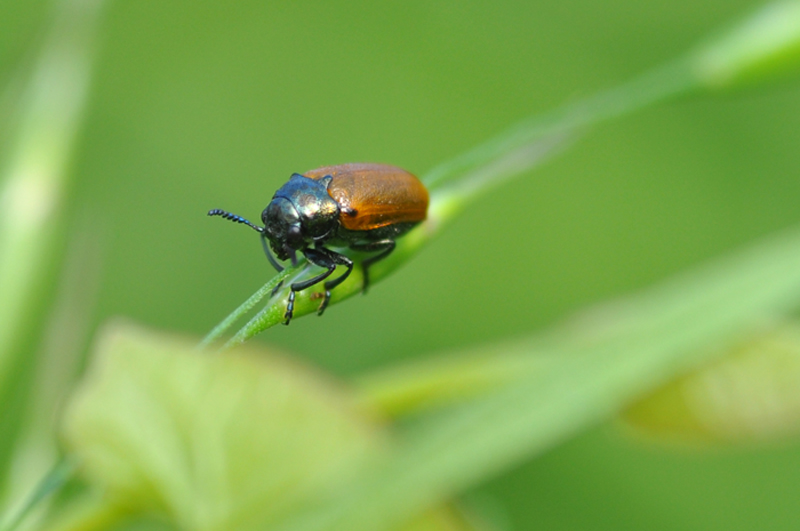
[[300, 213], [282, 227]]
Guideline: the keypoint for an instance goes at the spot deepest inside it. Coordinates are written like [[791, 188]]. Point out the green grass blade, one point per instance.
[[50, 484], [670, 330], [514, 152], [769, 37], [764, 46], [245, 307], [33, 179]]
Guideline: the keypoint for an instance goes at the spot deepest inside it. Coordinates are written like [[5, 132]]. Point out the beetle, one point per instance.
[[364, 207]]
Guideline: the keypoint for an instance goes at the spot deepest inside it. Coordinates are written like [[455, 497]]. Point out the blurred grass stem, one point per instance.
[[650, 88], [245, 307], [766, 41], [32, 182], [454, 184], [50, 484], [664, 332], [33, 179]]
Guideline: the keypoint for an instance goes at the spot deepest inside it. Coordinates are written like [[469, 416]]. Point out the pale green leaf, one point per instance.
[[216, 442], [203, 438], [753, 394]]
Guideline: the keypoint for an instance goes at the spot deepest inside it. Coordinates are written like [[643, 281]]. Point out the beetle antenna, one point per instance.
[[234, 217]]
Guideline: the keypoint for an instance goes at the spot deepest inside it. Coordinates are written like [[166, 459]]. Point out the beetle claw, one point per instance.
[[324, 303]]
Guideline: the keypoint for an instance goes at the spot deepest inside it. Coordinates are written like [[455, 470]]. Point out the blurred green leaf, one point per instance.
[[446, 519], [764, 45], [663, 333], [92, 512], [202, 438], [245, 442], [213, 442], [414, 387], [751, 395]]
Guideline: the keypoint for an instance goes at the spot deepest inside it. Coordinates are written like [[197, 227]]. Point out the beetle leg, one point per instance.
[[384, 246], [316, 257], [276, 288], [289, 308], [339, 259], [271, 258]]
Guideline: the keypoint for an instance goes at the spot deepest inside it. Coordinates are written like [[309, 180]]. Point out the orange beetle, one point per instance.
[[364, 207]]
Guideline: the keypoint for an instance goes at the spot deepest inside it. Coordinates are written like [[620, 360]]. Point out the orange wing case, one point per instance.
[[374, 195]]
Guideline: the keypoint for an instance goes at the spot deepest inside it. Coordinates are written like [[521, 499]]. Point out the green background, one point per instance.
[[199, 105]]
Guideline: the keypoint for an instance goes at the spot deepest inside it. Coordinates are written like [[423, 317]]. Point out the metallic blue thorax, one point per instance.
[[315, 207]]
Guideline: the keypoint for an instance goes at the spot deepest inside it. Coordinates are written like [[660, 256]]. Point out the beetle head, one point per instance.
[[301, 212]]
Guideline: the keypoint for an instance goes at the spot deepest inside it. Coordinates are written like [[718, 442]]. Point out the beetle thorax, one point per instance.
[[300, 213]]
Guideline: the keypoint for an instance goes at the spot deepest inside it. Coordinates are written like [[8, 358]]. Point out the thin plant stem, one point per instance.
[[61, 472], [245, 307], [455, 183]]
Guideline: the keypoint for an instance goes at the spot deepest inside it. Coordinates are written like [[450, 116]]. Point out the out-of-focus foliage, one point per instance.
[[215, 105], [218, 442], [208, 438], [767, 45], [41, 110], [202, 413], [751, 395]]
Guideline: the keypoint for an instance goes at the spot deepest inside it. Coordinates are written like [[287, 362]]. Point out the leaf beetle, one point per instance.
[[364, 207]]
